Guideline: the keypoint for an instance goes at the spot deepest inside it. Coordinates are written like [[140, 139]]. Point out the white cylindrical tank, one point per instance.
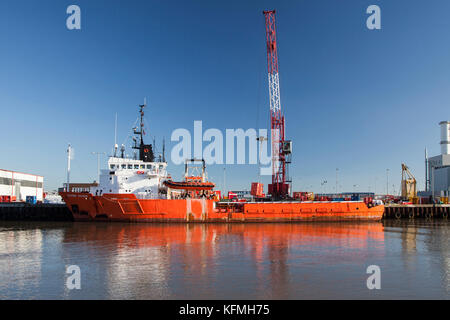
[[445, 137]]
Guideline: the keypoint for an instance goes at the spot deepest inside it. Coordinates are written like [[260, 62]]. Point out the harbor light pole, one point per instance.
[[387, 181], [224, 179], [426, 170], [323, 183], [98, 164], [432, 182], [69, 157]]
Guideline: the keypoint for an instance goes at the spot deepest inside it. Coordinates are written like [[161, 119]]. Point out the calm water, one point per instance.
[[253, 261]]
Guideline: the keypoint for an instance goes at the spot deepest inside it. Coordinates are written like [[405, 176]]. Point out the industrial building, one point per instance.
[[438, 167], [17, 186]]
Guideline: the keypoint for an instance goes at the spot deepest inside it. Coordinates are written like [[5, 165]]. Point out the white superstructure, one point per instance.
[[145, 179], [142, 175]]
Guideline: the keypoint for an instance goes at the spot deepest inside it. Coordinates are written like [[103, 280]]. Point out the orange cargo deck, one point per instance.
[[126, 207]]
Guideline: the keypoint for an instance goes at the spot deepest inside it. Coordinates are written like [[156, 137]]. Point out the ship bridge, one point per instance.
[[124, 175]]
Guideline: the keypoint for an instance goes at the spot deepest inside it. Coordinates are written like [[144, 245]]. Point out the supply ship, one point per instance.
[[141, 190]]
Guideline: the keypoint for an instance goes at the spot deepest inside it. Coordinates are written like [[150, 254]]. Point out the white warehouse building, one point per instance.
[[21, 185], [439, 166]]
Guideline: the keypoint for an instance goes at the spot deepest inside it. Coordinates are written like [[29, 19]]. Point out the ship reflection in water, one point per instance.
[[219, 261]]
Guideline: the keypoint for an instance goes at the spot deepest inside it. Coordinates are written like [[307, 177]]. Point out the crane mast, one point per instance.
[[281, 148]]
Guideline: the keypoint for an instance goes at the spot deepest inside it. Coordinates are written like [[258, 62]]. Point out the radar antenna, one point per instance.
[[145, 150]]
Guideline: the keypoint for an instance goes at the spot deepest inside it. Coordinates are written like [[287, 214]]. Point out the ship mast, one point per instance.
[[145, 150], [140, 132]]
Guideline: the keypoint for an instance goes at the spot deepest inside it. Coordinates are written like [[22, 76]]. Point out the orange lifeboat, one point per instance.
[[189, 185]]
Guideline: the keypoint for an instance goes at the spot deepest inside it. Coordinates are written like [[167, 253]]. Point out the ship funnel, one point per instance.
[[445, 137]]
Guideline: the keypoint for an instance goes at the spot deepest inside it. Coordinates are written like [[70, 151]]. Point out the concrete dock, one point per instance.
[[414, 211], [59, 212], [34, 212]]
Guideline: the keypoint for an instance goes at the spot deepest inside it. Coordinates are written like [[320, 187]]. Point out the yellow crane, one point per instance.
[[409, 190]]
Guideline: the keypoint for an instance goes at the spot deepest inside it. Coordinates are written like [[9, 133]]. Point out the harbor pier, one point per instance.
[[414, 211], [60, 212], [34, 212]]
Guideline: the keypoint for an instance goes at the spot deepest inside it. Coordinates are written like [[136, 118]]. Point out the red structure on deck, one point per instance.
[[281, 148]]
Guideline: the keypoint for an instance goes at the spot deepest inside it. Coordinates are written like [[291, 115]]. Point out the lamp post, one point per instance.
[[432, 182], [261, 139], [224, 180], [323, 184], [69, 157], [387, 181]]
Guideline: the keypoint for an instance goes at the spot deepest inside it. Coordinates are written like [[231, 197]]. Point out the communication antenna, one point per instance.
[[164, 150]]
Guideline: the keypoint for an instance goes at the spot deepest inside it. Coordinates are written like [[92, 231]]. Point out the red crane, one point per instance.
[[281, 148]]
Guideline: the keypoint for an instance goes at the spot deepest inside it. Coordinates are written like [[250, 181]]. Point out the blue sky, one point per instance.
[[355, 99]]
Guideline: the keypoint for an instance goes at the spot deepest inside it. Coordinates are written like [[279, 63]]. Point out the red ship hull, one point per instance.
[[126, 207]]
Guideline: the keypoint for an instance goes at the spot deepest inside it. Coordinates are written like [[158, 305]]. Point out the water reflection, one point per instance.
[[222, 261], [25, 247]]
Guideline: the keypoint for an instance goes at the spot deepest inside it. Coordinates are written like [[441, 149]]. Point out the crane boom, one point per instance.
[[409, 183], [281, 149]]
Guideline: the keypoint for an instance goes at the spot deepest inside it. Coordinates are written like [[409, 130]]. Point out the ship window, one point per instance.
[[112, 166], [136, 166], [130, 166], [149, 166], [124, 166], [142, 166]]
